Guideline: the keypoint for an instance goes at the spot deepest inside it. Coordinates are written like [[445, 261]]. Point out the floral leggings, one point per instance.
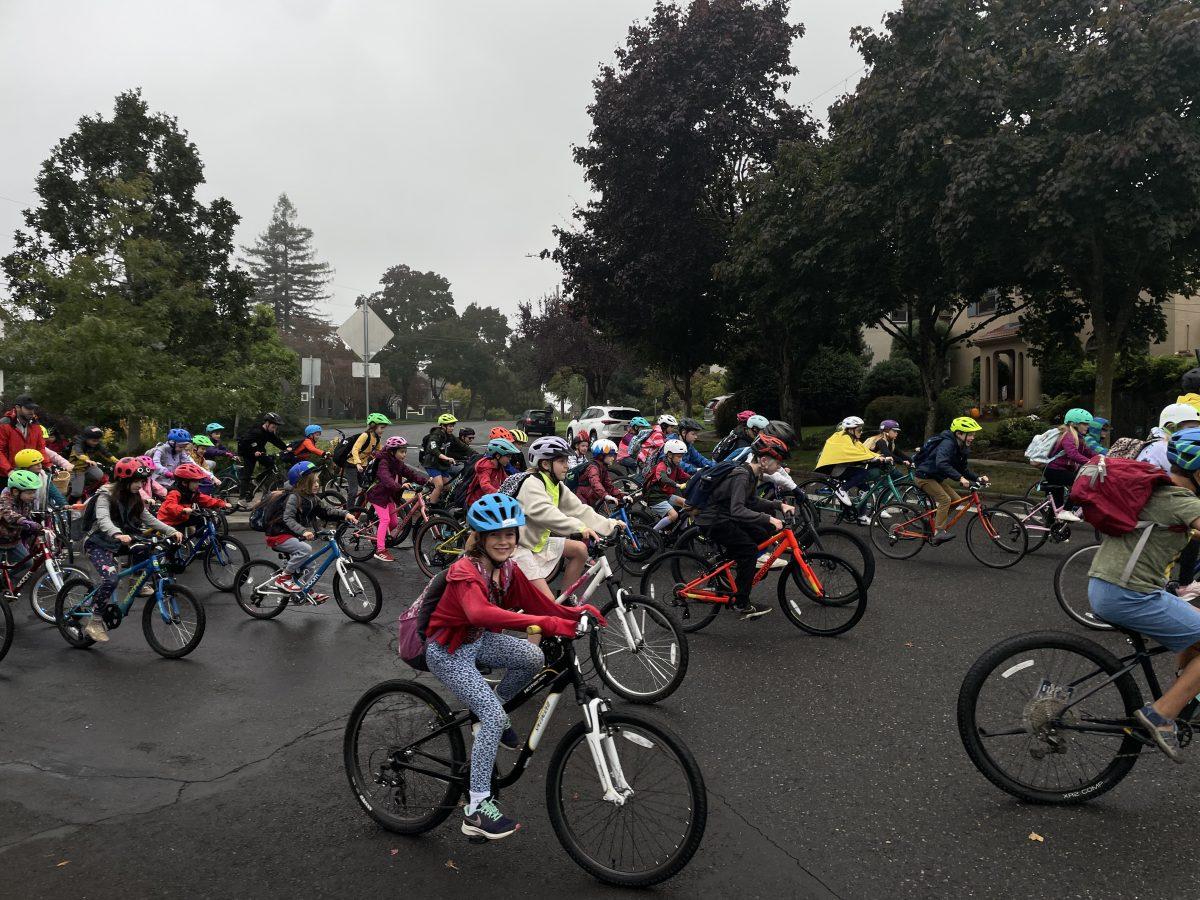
[[521, 660], [105, 562]]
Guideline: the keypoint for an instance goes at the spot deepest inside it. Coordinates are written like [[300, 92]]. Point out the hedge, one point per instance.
[[908, 411]]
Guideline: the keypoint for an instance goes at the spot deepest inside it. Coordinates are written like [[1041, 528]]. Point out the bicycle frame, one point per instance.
[[783, 542], [599, 571], [34, 561], [623, 517], [1033, 525], [195, 543], [148, 569], [961, 506]]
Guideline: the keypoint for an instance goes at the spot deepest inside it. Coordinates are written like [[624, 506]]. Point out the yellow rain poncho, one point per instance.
[[841, 449]]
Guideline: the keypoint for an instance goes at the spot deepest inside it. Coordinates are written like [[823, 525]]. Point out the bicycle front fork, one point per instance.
[[604, 754]]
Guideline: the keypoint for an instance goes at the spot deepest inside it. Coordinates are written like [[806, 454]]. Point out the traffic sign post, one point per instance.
[[366, 334], [310, 376]]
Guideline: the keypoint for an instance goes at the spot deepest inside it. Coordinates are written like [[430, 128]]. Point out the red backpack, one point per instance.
[[1112, 492]]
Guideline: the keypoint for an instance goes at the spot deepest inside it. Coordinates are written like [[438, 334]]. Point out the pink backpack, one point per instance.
[[1112, 492]]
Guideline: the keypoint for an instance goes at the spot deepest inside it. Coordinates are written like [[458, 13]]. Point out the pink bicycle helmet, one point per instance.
[[395, 442], [744, 415]]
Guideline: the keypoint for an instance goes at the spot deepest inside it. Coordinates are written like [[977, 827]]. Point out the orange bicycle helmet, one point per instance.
[[769, 445], [498, 432]]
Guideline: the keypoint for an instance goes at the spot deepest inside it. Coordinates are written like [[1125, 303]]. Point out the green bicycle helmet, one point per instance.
[[1077, 416], [22, 480], [202, 441], [1183, 450], [447, 419], [378, 419]]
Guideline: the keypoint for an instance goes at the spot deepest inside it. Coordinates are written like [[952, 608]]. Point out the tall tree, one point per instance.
[[284, 266], [469, 350], [557, 335], [409, 302], [691, 111]]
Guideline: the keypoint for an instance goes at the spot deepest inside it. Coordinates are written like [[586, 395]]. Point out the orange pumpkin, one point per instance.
[[974, 412]]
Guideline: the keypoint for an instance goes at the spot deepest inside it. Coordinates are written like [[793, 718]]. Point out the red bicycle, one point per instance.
[[819, 593], [43, 558], [358, 541]]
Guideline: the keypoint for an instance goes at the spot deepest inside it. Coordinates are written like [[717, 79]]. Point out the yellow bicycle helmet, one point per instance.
[[519, 436], [965, 424], [23, 459], [446, 419]]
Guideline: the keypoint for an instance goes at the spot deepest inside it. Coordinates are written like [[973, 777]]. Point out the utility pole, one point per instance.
[[366, 361]]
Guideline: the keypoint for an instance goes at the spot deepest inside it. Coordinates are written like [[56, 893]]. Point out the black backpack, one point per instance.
[[700, 486], [928, 449], [287, 456], [571, 479], [341, 452], [87, 519], [462, 484], [270, 510]]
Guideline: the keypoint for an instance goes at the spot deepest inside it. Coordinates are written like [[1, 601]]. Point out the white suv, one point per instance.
[[601, 422]]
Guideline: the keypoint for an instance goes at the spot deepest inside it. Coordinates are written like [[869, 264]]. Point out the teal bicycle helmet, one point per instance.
[[639, 422], [213, 426], [495, 512], [1077, 416], [501, 447], [1183, 449]]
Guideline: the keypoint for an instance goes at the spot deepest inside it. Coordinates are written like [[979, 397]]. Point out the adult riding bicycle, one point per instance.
[[172, 619], [625, 796]]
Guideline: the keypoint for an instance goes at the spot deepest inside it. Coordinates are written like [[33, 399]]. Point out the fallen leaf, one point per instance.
[[908, 643], [1034, 836], [65, 862], [394, 851], [450, 864]]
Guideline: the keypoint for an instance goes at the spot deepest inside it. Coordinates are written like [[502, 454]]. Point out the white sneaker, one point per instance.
[[843, 496], [1065, 515], [779, 563], [95, 629]]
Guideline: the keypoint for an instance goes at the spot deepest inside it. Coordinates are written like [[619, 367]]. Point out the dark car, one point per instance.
[[536, 421]]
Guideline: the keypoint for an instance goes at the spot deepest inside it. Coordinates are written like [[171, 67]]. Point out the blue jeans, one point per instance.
[[1170, 620]]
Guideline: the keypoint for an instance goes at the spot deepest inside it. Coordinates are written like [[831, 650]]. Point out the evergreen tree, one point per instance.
[[286, 273]]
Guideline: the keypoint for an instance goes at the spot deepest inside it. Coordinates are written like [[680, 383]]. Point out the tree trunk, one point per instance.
[[1106, 365], [685, 392], [133, 434]]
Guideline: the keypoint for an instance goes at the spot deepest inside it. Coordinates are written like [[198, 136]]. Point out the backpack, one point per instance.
[[635, 445], [1127, 448], [512, 484], [414, 621], [87, 519], [268, 511], [700, 486], [429, 459], [462, 484], [725, 446], [646, 469], [571, 479], [928, 449], [1112, 492], [287, 456], [341, 452], [1041, 449]]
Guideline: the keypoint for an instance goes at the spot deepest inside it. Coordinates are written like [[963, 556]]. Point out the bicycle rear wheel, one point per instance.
[[1020, 733], [6, 628], [849, 546], [438, 543], [820, 493], [255, 591], [671, 571], [402, 778], [642, 654], [899, 531], [636, 546], [222, 560], [997, 538], [1038, 526], [656, 831], [70, 614], [173, 627], [358, 541], [833, 605], [1071, 588], [45, 590]]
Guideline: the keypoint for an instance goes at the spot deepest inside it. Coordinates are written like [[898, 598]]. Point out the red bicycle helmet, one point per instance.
[[130, 467], [190, 472], [744, 415], [769, 445], [502, 433]]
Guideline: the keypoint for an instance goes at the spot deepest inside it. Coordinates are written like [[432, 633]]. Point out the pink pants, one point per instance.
[[388, 520]]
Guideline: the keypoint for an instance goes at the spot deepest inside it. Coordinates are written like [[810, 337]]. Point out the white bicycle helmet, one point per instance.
[[675, 446], [549, 447], [668, 420], [1175, 413], [759, 422], [851, 422]]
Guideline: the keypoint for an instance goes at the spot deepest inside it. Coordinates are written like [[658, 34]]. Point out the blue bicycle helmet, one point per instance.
[[213, 426], [311, 430], [179, 436], [1183, 449], [298, 471], [495, 512], [501, 447], [639, 422]]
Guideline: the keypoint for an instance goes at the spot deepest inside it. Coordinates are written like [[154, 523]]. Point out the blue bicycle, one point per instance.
[[172, 619], [637, 541], [220, 555], [259, 593]]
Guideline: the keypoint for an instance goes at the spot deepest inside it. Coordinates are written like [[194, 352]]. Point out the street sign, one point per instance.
[[304, 398], [356, 369], [365, 333], [310, 371]]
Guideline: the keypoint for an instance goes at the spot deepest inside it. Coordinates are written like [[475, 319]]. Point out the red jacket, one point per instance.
[[308, 449], [13, 439], [175, 511], [465, 605], [595, 483], [488, 477]]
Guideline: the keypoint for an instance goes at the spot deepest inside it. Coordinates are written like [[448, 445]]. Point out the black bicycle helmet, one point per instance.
[[690, 425], [273, 418], [782, 430], [92, 432]]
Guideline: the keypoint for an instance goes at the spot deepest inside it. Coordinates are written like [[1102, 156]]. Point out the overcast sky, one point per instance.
[[435, 133]]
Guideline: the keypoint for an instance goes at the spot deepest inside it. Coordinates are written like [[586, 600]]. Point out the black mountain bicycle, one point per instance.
[[625, 796], [1049, 716]]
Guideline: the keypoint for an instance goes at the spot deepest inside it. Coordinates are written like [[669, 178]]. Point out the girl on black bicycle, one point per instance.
[[483, 588]]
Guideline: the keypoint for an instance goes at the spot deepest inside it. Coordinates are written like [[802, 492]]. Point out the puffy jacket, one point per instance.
[[15, 435], [695, 461], [167, 459], [176, 510], [391, 474], [948, 460], [841, 449], [486, 479], [15, 521], [1094, 446]]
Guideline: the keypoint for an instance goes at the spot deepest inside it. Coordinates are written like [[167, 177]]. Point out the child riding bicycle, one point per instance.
[[289, 531], [391, 474], [941, 462]]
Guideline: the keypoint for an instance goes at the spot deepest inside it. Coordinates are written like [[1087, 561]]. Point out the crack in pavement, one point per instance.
[[184, 784], [770, 840]]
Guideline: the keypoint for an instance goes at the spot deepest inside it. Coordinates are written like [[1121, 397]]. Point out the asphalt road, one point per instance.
[[833, 765]]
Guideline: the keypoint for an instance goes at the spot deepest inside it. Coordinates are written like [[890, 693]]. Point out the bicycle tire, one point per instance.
[[358, 541], [1070, 588], [984, 760], [151, 613], [979, 538], [676, 648], [820, 493], [823, 566], [1023, 510], [649, 545], [828, 539], [363, 784], [7, 627], [221, 575], [41, 601], [885, 531], [436, 529], [678, 849], [372, 602], [64, 604], [680, 567], [245, 582]]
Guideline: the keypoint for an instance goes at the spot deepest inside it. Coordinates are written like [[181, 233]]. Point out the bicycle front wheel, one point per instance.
[[222, 560], [403, 778], [357, 592], [849, 546], [997, 538], [899, 531], [438, 543], [1071, 588], [830, 606], [45, 590], [655, 832], [642, 654], [174, 626], [662, 583], [6, 628], [1022, 731]]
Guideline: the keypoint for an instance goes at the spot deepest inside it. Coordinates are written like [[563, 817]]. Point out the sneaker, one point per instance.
[[1162, 730], [750, 611], [779, 563], [384, 556], [1065, 515], [96, 629], [843, 497], [488, 822], [284, 582], [865, 520], [941, 537], [510, 740], [146, 590]]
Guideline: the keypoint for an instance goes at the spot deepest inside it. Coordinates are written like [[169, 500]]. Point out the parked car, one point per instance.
[[710, 408], [536, 422], [602, 421]]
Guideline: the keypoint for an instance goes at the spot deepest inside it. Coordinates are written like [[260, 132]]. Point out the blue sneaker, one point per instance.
[[1162, 730], [488, 822], [510, 740]]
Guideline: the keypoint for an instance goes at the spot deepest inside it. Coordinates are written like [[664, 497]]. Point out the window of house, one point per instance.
[[899, 317], [983, 307]]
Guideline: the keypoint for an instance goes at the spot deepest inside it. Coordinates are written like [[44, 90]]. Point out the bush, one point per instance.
[[1016, 433], [498, 413], [832, 380], [954, 402], [892, 378], [908, 411], [1052, 409]]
